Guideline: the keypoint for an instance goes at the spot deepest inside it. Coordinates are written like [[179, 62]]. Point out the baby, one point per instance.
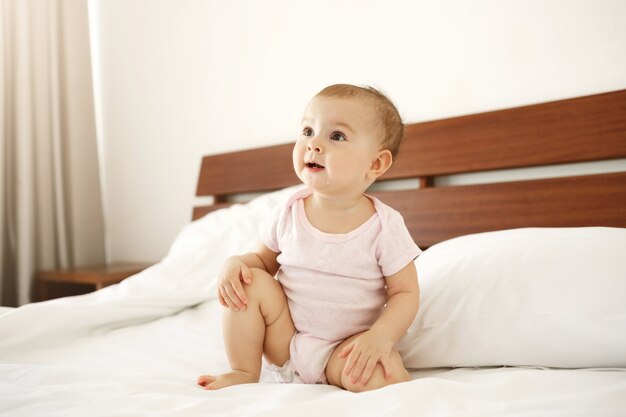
[[346, 288]]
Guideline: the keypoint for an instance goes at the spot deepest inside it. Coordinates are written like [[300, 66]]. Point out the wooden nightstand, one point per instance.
[[73, 281]]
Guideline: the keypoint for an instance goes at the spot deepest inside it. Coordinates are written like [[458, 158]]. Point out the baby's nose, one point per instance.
[[313, 147]]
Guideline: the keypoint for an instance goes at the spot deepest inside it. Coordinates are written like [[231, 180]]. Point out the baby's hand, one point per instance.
[[229, 288], [363, 353]]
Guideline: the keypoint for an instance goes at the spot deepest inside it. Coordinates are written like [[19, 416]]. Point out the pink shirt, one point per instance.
[[335, 283]]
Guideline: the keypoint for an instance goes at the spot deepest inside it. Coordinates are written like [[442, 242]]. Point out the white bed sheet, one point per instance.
[[5, 310], [136, 349], [150, 369]]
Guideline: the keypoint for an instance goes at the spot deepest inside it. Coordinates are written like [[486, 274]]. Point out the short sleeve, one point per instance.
[[396, 247], [268, 229]]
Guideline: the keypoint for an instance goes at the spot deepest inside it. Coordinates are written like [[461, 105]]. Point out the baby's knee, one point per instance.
[[262, 285]]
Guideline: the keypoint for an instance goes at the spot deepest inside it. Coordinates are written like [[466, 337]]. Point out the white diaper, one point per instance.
[[284, 374]]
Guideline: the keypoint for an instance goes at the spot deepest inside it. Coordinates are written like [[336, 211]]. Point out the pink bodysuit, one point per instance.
[[334, 283]]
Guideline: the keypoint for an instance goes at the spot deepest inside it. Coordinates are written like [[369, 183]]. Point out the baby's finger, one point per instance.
[[219, 297], [368, 371], [246, 275], [347, 368], [387, 367], [241, 294], [346, 350], [229, 299], [357, 371], [224, 298]]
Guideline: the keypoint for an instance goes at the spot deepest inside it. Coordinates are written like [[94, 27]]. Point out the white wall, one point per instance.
[[176, 80]]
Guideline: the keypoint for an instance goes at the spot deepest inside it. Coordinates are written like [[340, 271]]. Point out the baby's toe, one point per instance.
[[204, 380]]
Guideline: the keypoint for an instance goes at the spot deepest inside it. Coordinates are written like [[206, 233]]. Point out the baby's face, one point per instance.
[[337, 145]]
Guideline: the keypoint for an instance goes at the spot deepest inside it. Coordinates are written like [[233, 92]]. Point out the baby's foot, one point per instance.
[[211, 382]]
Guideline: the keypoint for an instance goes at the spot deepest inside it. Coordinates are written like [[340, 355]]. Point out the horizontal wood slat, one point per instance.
[[574, 130], [436, 214], [581, 129], [261, 169]]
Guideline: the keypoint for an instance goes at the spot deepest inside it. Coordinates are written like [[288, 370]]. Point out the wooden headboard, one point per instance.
[[589, 128]]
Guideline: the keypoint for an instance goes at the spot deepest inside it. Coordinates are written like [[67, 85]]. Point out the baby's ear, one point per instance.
[[381, 164]]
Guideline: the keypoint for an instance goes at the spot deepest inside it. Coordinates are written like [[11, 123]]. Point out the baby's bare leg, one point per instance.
[[264, 326], [335, 375]]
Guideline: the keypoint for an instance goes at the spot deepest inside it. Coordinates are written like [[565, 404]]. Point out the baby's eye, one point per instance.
[[307, 131], [338, 136]]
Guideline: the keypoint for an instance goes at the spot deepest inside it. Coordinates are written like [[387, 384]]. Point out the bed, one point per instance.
[[522, 287]]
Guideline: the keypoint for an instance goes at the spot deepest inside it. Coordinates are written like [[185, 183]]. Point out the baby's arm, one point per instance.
[[376, 344], [237, 268], [403, 299]]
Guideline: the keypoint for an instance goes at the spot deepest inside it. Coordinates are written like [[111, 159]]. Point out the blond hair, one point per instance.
[[389, 120]]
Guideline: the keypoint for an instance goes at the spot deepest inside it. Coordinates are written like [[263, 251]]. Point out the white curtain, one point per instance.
[[50, 202]]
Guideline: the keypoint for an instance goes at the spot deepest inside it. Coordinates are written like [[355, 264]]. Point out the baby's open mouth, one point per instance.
[[313, 165]]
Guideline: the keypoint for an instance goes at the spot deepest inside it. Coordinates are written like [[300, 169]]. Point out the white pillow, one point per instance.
[[553, 297], [229, 231]]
